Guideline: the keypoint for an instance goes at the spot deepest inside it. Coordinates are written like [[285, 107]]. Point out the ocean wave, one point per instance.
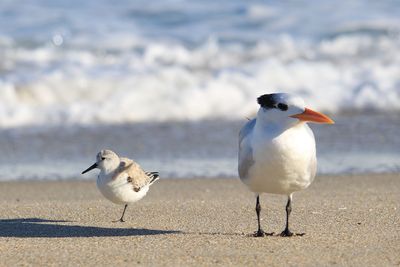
[[172, 82], [139, 64]]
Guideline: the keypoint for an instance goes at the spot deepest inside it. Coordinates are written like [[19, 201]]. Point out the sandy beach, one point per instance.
[[348, 220]]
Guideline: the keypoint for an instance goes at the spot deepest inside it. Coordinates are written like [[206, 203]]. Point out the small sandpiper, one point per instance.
[[121, 180]]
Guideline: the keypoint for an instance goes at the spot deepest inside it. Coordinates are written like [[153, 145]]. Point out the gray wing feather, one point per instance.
[[245, 149], [246, 129]]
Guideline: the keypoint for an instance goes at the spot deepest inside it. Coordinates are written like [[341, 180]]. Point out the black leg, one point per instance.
[[287, 232], [259, 232], [123, 213]]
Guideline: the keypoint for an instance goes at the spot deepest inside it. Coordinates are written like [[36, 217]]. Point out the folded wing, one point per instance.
[[138, 177]]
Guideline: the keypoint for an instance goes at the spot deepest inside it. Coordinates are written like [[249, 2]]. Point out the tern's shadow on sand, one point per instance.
[[36, 227]]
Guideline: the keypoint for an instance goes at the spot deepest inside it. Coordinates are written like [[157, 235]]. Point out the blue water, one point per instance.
[[193, 22], [357, 143]]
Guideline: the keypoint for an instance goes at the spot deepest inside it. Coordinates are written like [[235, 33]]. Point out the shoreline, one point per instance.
[[348, 220], [92, 177]]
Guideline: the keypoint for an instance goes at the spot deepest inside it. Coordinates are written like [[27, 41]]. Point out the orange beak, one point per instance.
[[313, 116]]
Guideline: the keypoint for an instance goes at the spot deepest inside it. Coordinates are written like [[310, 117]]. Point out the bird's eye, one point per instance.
[[283, 107], [103, 158]]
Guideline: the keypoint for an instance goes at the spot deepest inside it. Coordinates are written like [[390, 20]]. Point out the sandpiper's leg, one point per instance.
[[123, 213], [287, 232], [259, 232]]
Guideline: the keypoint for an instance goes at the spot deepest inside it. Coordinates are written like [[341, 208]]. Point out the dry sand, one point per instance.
[[348, 220]]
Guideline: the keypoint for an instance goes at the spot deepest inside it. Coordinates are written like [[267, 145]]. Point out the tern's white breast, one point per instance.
[[283, 163], [118, 190]]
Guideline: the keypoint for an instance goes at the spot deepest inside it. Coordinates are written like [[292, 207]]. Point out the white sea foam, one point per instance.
[[145, 63], [169, 81]]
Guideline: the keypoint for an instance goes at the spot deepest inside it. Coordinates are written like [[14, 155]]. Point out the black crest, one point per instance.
[[267, 101]]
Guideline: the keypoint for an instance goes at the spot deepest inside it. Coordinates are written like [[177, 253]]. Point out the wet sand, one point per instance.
[[348, 220]]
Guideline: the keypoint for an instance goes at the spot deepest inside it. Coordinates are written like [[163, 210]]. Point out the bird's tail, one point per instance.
[[153, 176]]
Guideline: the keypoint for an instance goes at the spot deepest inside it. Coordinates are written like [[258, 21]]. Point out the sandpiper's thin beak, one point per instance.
[[313, 116], [94, 166]]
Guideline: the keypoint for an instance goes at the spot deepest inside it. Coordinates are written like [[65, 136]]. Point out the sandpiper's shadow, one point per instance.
[[36, 227]]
